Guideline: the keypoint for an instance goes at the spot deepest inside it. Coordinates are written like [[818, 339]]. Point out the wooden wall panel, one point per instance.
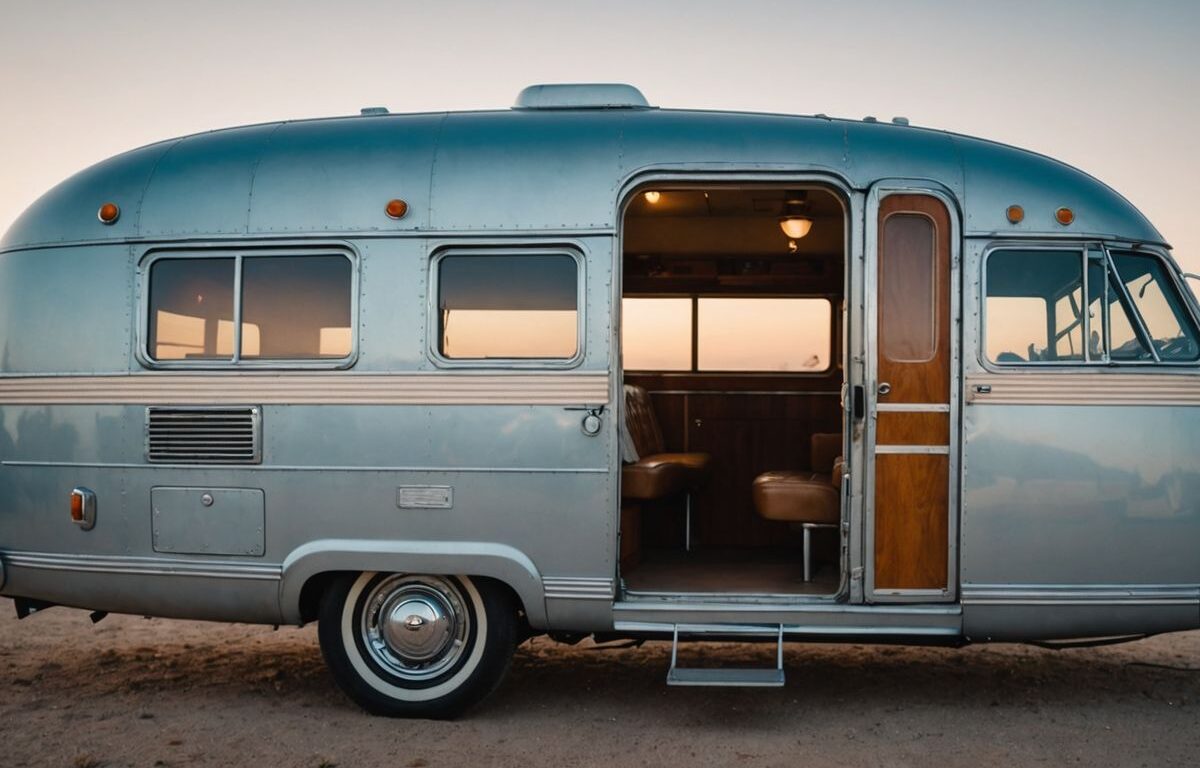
[[911, 519], [912, 428]]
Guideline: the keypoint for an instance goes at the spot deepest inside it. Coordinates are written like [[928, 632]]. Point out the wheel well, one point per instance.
[[314, 588]]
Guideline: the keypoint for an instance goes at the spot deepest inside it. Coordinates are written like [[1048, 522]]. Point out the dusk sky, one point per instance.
[[1107, 86]]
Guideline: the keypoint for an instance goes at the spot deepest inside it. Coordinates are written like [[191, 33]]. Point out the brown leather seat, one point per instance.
[[799, 496], [651, 472]]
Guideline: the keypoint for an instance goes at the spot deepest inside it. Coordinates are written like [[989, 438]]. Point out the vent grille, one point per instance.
[[204, 435]]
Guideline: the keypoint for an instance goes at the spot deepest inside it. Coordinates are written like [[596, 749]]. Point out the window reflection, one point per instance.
[[508, 307], [191, 309], [296, 307]]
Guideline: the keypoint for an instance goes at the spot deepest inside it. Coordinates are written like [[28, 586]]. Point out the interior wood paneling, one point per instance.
[[911, 533], [746, 434], [908, 428]]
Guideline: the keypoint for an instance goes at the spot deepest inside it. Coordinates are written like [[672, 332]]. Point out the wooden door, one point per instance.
[[912, 404]]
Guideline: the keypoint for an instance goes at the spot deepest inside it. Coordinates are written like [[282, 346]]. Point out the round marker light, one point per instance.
[[396, 209], [1015, 214], [1064, 216], [108, 213]]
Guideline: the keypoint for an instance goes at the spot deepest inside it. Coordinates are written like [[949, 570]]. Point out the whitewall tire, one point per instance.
[[414, 645]]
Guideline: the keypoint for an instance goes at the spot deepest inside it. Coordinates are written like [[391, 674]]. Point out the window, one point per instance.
[[763, 335], [292, 308], [507, 306], [1160, 306], [908, 288], [656, 334], [1036, 309], [1032, 306], [731, 334]]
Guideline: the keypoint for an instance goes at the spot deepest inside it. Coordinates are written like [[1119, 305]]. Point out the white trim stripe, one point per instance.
[[1063, 388], [332, 388]]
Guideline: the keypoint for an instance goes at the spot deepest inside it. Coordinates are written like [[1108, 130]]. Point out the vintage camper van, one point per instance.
[[589, 367]]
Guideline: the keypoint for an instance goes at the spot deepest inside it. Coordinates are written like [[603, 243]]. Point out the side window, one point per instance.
[[1036, 310], [1033, 306], [508, 306], [191, 309], [293, 308], [1161, 308]]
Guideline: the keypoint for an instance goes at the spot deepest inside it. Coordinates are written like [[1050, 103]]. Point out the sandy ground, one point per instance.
[[141, 692]]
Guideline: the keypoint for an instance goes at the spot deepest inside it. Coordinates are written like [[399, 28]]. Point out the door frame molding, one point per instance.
[[879, 190]]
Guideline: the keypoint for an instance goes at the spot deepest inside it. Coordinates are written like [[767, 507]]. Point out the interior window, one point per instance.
[[1034, 312], [191, 309], [1160, 306], [508, 307], [656, 334], [763, 334]]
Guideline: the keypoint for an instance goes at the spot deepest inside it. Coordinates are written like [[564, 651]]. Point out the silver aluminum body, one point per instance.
[[507, 484]]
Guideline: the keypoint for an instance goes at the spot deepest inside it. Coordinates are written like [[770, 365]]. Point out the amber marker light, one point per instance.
[[396, 209], [77, 506], [1064, 216], [1015, 214], [108, 213]]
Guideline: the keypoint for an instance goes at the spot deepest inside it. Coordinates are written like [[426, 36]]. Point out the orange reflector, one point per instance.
[[108, 213], [1015, 214], [396, 209], [1064, 216], [77, 506]]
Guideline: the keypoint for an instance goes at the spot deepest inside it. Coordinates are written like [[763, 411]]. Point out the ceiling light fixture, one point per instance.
[[652, 197], [795, 224]]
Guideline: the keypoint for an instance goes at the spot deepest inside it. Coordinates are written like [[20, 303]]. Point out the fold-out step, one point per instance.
[[727, 676]]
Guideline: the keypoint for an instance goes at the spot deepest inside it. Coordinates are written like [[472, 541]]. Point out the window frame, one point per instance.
[[695, 370], [432, 311], [1084, 248], [235, 361]]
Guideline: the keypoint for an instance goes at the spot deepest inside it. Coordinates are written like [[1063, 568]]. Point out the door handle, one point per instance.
[[884, 388]]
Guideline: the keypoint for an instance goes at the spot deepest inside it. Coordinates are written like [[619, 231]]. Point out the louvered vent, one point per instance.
[[204, 435]]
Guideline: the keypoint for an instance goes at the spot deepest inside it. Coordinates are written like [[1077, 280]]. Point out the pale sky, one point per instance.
[[1109, 87]]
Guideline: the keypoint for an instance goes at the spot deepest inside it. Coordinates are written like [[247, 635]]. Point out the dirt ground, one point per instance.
[[141, 692]]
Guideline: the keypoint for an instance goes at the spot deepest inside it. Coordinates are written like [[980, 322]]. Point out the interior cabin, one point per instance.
[[732, 352]]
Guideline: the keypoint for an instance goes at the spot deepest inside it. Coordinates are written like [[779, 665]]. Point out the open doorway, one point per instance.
[[732, 345]]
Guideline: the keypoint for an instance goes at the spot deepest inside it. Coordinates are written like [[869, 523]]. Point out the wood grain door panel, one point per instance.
[[912, 421]]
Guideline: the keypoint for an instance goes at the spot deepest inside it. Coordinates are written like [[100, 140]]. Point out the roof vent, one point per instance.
[[371, 111], [581, 96]]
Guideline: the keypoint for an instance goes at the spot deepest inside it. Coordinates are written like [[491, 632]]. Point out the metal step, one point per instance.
[[726, 676]]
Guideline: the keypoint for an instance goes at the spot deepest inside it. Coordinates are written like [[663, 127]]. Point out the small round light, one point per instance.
[[108, 213], [396, 209], [1015, 214], [1064, 216], [652, 197]]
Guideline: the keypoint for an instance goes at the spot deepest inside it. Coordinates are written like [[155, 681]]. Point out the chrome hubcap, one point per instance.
[[415, 627]]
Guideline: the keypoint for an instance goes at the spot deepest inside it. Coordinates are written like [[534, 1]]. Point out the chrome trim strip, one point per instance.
[[148, 566], [931, 450], [308, 388], [913, 407], [1092, 594], [313, 468], [1070, 388], [577, 588]]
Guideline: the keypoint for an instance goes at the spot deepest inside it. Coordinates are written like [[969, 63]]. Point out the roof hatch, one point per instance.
[[581, 96]]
